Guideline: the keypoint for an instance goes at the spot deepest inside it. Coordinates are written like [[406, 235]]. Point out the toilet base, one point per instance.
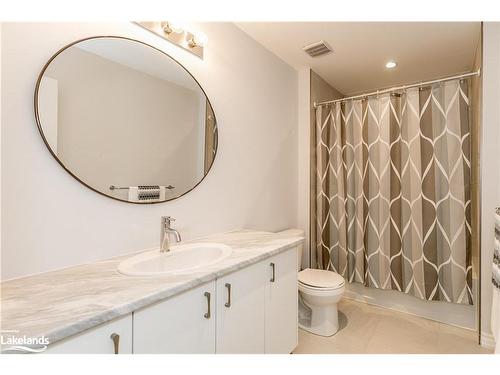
[[324, 320]]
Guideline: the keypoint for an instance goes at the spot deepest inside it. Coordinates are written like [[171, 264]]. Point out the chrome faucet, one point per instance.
[[165, 231]]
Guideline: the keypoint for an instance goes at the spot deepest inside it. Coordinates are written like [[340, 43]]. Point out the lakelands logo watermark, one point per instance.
[[10, 342]]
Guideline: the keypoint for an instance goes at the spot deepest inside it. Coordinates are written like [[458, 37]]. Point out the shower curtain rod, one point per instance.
[[398, 88]]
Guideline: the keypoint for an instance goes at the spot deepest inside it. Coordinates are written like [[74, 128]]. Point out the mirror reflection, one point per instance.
[[126, 120]]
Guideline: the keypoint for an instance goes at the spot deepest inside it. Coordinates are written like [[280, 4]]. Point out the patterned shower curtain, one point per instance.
[[393, 192]]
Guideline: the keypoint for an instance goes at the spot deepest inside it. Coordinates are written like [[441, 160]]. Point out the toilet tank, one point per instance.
[[296, 233]]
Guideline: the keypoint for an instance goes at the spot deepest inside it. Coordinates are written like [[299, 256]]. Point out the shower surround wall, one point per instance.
[[49, 220]]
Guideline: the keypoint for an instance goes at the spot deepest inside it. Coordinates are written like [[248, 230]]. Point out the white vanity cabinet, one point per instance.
[[114, 337], [241, 310], [257, 307], [282, 303], [182, 324], [251, 310]]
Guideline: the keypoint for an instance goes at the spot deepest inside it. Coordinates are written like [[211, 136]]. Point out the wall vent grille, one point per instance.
[[317, 49]]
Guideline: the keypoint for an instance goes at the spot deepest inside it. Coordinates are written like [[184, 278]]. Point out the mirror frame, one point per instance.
[[40, 128]]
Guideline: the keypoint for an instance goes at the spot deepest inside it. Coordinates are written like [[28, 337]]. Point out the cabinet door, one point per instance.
[[282, 303], [182, 324], [240, 310], [103, 339]]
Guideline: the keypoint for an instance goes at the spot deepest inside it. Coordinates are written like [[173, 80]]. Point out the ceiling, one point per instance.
[[423, 50]]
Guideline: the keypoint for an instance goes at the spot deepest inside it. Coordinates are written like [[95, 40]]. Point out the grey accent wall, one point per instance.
[[320, 91]]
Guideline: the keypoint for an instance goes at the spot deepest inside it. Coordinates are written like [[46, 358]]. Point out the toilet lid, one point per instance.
[[320, 278]]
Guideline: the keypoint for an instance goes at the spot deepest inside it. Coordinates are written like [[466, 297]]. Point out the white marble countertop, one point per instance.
[[61, 303]]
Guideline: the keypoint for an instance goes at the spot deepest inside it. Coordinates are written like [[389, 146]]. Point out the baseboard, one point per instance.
[[487, 341]]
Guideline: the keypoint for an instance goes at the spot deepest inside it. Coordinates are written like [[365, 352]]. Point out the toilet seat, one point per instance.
[[320, 280]]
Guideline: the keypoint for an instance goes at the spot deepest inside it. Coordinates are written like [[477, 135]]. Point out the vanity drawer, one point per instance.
[[114, 337]]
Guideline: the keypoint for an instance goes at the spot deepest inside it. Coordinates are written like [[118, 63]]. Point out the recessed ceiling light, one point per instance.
[[391, 64]]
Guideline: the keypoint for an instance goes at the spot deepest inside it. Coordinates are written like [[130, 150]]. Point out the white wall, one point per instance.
[[490, 166], [49, 220], [1, 127]]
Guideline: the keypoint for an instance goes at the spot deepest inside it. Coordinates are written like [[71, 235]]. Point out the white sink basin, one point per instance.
[[180, 259]]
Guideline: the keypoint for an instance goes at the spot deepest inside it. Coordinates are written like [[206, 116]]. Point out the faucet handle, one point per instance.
[[165, 220]]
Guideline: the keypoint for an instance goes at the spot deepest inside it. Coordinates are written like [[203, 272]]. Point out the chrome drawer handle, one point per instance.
[[273, 277], [116, 341], [228, 303], [207, 314]]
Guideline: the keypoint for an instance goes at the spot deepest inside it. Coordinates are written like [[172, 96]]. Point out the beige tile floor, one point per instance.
[[367, 329]]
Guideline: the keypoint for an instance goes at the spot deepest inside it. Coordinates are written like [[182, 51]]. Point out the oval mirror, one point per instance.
[[125, 119]]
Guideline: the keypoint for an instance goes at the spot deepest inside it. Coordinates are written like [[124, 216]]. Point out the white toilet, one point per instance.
[[320, 291]]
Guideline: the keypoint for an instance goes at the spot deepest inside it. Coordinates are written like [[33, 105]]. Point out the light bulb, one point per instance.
[[172, 27], [198, 39], [391, 64]]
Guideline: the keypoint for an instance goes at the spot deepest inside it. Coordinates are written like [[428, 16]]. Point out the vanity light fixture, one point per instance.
[[177, 34], [391, 64]]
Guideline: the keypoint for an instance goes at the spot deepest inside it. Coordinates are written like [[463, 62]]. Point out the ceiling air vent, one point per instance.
[[317, 49]]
